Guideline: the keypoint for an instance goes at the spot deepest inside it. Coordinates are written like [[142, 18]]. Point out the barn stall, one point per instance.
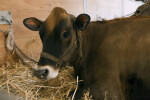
[[17, 79]]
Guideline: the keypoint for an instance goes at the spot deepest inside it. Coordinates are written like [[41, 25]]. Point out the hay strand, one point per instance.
[[75, 89]]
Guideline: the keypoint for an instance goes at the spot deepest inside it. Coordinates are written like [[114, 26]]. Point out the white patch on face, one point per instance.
[[35, 67], [52, 72]]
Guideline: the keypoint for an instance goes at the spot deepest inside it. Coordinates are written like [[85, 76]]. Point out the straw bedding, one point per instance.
[[18, 80]]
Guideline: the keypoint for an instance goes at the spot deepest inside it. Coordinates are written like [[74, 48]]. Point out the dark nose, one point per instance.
[[41, 73]]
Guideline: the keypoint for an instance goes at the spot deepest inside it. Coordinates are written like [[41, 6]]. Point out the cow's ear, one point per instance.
[[32, 23], [82, 21]]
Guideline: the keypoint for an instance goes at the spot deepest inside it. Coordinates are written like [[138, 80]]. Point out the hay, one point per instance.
[[18, 80]]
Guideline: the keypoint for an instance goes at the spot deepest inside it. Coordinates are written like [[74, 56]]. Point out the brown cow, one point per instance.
[[111, 57]]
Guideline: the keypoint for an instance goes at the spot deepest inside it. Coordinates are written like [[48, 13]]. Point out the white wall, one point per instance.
[[109, 9]]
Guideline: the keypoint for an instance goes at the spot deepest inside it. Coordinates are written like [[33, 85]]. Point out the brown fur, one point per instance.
[[118, 50]]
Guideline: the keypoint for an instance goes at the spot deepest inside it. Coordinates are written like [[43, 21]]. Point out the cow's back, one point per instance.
[[122, 50]]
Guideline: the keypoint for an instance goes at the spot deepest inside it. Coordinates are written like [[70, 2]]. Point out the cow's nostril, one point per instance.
[[42, 73], [45, 73]]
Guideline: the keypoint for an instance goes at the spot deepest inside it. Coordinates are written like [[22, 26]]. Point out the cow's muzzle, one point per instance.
[[46, 72]]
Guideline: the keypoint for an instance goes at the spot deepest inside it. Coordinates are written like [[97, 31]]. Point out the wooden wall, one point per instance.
[[28, 40]]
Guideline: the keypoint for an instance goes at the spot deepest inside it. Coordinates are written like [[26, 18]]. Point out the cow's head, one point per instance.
[[59, 37], [143, 10]]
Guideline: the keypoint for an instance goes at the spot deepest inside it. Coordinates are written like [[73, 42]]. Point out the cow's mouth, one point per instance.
[[46, 72]]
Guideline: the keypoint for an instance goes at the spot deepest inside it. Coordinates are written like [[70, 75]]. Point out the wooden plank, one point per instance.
[[2, 44], [29, 4], [42, 5]]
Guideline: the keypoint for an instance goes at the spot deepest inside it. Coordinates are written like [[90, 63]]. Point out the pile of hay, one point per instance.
[[18, 80]]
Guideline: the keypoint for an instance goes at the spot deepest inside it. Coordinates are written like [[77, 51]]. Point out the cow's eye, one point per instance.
[[66, 35], [138, 11]]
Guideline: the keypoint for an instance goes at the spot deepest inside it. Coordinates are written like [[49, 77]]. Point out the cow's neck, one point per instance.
[[88, 42]]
